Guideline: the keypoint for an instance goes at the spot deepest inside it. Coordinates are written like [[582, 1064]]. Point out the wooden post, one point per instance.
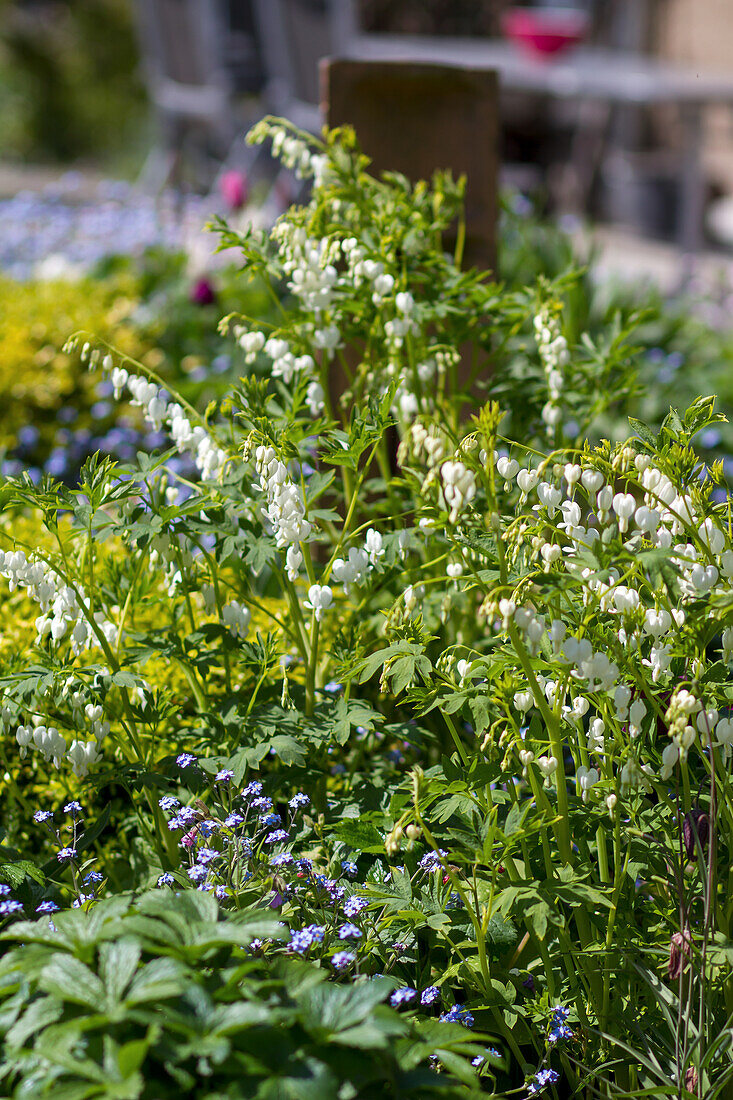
[[415, 118]]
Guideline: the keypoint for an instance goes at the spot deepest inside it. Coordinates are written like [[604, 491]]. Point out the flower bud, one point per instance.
[[691, 1079], [679, 951], [394, 840], [417, 777], [696, 826]]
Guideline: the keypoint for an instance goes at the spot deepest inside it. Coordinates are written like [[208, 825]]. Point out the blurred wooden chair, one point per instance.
[[183, 44], [294, 35]]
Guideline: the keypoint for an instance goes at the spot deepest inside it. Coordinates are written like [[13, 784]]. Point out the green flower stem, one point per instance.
[[267, 284], [684, 768], [308, 560], [255, 693], [479, 933], [310, 674], [345, 367], [383, 463], [619, 873], [462, 751], [354, 496], [460, 238], [323, 373], [550, 719], [128, 601], [250, 600], [297, 616], [553, 727], [167, 848], [552, 724], [563, 823], [186, 593], [9, 778], [90, 551], [523, 840], [514, 876], [412, 367], [219, 605], [168, 852], [573, 959], [724, 913], [105, 647], [148, 372], [196, 689], [538, 790], [544, 841], [603, 867], [458, 887]]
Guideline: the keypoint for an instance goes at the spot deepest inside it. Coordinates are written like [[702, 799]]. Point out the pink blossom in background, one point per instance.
[[234, 188]]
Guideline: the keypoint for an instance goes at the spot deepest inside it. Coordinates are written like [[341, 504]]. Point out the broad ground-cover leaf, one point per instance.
[[144, 1016]]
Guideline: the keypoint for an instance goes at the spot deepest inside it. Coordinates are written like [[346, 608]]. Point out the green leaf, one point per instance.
[[451, 703], [117, 964], [502, 933], [700, 414], [347, 714], [317, 484], [479, 707], [579, 893], [68, 979], [92, 831], [402, 884], [230, 1019], [288, 749], [359, 835], [15, 873], [643, 431], [456, 803], [537, 916], [39, 1014], [672, 424], [335, 1008], [516, 817], [720, 951], [131, 1056], [157, 981]]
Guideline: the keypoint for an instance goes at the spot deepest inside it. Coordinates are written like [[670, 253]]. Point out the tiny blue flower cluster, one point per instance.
[[250, 844], [67, 856], [541, 1080], [558, 1028]]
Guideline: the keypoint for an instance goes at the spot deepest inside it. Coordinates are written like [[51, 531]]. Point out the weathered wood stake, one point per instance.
[[415, 118]]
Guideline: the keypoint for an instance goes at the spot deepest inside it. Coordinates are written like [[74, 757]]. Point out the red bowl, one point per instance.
[[545, 31]]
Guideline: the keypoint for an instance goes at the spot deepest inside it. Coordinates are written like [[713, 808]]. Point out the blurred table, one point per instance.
[[583, 74]]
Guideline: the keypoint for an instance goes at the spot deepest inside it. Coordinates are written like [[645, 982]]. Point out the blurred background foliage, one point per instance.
[[40, 386], [70, 80], [56, 414], [155, 310]]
